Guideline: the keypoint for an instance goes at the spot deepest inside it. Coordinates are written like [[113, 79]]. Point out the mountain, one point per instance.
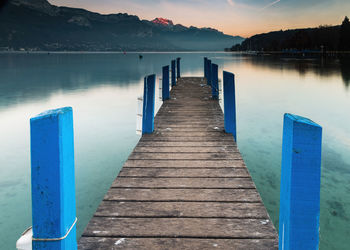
[[163, 21], [38, 25]]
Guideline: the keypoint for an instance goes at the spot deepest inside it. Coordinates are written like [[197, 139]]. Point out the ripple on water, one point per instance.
[[336, 208]]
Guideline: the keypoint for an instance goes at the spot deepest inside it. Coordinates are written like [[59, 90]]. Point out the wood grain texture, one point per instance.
[[182, 209], [192, 144], [131, 182], [181, 194], [185, 186], [101, 243], [186, 163], [185, 156], [173, 149], [184, 172], [180, 227]]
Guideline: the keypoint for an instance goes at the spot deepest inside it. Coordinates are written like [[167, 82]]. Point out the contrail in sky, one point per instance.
[[270, 4], [230, 2]]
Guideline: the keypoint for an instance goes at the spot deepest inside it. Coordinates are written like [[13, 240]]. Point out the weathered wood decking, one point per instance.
[[183, 187]]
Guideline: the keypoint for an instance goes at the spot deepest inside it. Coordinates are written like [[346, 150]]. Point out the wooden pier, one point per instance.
[[185, 186]]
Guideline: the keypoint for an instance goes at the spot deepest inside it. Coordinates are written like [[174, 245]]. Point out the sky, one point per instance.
[[233, 17]]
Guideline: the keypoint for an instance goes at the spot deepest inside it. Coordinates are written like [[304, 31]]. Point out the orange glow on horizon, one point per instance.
[[232, 18]]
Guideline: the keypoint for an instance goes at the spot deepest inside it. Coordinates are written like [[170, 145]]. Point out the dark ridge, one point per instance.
[[36, 25]]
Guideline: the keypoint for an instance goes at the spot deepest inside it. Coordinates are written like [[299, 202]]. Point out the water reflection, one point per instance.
[[325, 67], [36, 76], [345, 69], [103, 88]]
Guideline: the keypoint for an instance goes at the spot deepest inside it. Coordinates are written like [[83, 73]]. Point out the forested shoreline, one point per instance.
[[320, 39]]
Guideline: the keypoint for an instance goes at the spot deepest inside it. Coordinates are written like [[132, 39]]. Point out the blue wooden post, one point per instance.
[[209, 73], [300, 184], [205, 66], [178, 73], [165, 83], [148, 104], [53, 180], [230, 104], [214, 81], [173, 73]]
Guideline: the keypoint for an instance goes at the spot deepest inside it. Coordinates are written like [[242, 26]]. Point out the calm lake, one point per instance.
[[103, 88]]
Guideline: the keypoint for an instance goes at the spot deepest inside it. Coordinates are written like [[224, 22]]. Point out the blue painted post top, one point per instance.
[[205, 66], [214, 81], [173, 73], [209, 73], [230, 103], [148, 104], [300, 184], [53, 179], [178, 67], [165, 83]]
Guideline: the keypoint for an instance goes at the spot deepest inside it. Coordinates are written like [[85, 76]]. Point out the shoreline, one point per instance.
[[112, 52]]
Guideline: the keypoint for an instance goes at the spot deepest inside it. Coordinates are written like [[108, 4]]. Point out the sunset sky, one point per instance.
[[234, 17]]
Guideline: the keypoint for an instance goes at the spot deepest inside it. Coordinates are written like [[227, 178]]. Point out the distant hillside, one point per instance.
[[323, 38], [38, 25]]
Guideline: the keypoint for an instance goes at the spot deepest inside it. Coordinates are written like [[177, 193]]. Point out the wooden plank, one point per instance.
[[187, 120], [100, 243], [172, 126], [199, 112], [182, 210], [169, 133], [185, 113], [183, 183], [186, 163], [168, 194], [169, 124], [185, 156], [184, 123], [185, 144], [187, 139], [192, 118], [184, 172], [189, 129], [157, 149], [172, 110], [180, 227], [207, 107]]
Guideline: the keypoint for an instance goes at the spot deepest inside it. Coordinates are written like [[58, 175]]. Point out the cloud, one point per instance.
[[230, 2], [270, 4]]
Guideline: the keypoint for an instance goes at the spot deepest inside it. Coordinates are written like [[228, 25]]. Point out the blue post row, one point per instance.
[[205, 66], [165, 83], [214, 81], [148, 104], [230, 104], [178, 73], [300, 184], [209, 72], [173, 73], [53, 180]]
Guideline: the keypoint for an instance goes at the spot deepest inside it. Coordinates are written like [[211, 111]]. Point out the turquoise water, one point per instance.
[[103, 88]]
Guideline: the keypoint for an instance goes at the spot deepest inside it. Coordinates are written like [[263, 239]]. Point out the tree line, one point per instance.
[[323, 38]]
